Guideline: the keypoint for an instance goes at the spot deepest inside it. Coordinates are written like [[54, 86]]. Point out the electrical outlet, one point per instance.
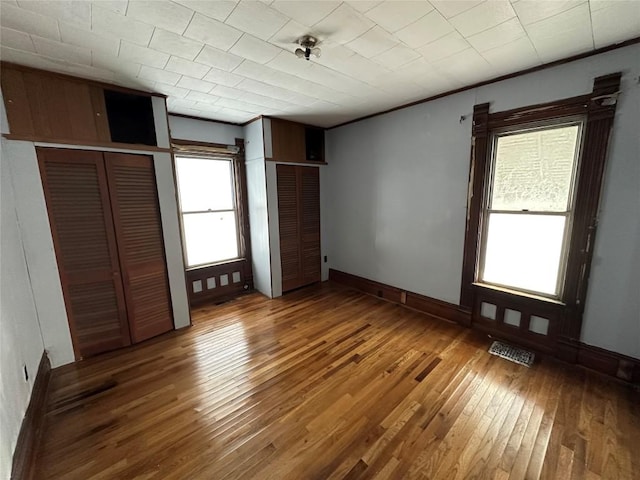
[[325, 259], [26, 373]]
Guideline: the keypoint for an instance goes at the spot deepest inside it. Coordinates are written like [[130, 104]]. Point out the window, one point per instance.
[[209, 210], [528, 210]]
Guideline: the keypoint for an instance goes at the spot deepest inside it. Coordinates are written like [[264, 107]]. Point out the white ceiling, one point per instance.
[[232, 61]]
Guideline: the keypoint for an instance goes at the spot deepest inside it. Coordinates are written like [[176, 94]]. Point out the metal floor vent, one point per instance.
[[514, 354]]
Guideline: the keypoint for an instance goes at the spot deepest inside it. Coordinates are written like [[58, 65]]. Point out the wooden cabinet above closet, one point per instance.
[[46, 106], [296, 143]]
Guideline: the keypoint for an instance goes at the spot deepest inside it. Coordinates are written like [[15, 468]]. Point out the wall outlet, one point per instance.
[[26, 373], [325, 259]]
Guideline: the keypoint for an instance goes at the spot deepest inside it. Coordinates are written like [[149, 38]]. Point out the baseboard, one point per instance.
[[594, 358], [24, 455], [415, 301]]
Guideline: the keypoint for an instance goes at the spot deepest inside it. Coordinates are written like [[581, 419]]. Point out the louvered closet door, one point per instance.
[[309, 179], [75, 188], [289, 226], [138, 227]]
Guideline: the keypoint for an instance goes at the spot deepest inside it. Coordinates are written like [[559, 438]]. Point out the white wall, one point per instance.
[[258, 212], [204, 131], [394, 194], [21, 343]]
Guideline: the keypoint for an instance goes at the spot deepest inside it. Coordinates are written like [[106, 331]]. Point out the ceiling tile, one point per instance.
[[482, 17], [531, 11], [396, 57], [171, 91], [82, 38], [174, 44], [444, 47], [218, 59], [562, 35], [254, 49], [69, 53], [502, 34], [287, 37], [465, 68], [429, 28], [343, 25], [212, 32], [373, 42], [74, 12], [451, 8], [288, 62], [240, 105], [264, 101], [145, 56], [118, 6], [513, 56], [185, 67], [16, 39], [227, 92], [257, 19], [615, 22], [117, 64], [393, 16], [305, 12], [158, 75], [363, 5], [201, 96], [218, 9], [167, 15], [195, 84], [29, 22], [222, 78], [109, 22]]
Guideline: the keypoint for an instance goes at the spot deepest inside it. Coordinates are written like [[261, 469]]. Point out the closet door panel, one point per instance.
[[289, 226], [136, 211], [310, 224], [77, 200]]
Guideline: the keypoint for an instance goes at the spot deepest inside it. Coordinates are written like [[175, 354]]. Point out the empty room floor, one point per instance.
[[330, 383]]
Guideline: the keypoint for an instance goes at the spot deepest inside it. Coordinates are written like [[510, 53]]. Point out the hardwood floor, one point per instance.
[[329, 383]]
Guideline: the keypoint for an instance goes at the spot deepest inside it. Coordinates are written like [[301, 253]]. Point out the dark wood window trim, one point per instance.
[[598, 108]]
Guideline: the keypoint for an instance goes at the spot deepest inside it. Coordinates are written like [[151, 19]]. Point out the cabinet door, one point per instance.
[[50, 107], [134, 197], [287, 141], [310, 223], [75, 189], [289, 225]]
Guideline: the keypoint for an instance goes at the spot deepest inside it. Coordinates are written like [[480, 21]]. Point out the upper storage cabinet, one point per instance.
[[44, 106], [296, 143]]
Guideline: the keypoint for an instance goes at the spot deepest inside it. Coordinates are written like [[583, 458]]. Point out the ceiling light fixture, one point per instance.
[[308, 44]]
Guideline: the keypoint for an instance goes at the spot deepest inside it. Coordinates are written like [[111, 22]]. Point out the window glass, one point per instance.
[[205, 184], [210, 237], [533, 170]]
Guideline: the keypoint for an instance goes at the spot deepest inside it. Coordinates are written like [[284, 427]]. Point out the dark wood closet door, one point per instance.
[[138, 227], [289, 226], [310, 223], [75, 189], [299, 223]]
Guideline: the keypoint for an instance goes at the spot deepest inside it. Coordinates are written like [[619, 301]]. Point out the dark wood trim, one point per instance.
[[242, 206], [431, 306], [555, 63], [220, 292], [191, 117], [66, 76], [187, 143], [29, 438], [599, 359], [252, 120], [302, 162], [87, 143]]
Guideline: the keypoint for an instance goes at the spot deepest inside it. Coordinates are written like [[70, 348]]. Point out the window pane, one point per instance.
[[523, 251], [204, 184], [533, 170], [210, 237]]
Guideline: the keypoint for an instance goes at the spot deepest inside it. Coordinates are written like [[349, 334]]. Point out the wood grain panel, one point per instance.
[[16, 102], [288, 141], [82, 228], [138, 227], [289, 225], [330, 383]]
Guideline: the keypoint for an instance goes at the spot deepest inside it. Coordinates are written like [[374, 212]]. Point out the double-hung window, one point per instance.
[[528, 211], [208, 207]]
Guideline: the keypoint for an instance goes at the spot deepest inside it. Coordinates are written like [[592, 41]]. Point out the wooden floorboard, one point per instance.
[[329, 383]]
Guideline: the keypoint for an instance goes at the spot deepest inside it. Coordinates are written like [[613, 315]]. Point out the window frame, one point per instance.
[[568, 214], [598, 109], [234, 200]]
